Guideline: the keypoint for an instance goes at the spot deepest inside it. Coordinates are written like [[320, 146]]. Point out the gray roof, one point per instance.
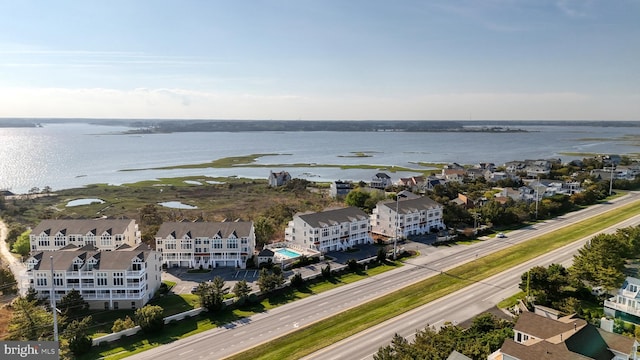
[[82, 227], [205, 229], [406, 206], [107, 260], [457, 356], [334, 217]]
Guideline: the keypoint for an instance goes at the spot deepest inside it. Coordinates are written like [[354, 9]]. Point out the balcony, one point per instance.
[[621, 307]]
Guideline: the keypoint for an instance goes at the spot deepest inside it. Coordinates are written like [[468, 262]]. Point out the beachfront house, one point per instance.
[[381, 181], [104, 234], [340, 188], [206, 244], [125, 278], [278, 178], [329, 230], [538, 337], [407, 216], [626, 303]]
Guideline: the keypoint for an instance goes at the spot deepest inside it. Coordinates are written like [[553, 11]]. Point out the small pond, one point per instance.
[[177, 205], [79, 202]]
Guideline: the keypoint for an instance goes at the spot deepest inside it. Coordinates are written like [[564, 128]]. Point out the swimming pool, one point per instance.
[[288, 253]]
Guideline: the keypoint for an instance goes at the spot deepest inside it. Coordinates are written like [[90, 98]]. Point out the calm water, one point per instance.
[[73, 155]]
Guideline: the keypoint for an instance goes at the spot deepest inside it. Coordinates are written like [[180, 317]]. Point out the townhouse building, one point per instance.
[[104, 234], [206, 244], [407, 217], [124, 278], [329, 230]]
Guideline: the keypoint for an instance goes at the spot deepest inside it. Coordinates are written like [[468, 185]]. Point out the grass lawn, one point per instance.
[[296, 345], [188, 327], [512, 300]]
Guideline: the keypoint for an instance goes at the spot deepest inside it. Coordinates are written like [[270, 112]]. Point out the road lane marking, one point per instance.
[[186, 352]]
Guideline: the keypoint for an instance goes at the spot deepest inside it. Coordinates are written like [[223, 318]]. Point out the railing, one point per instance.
[[626, 308]]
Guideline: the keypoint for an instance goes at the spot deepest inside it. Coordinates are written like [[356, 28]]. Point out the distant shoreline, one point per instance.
[[161, 126]]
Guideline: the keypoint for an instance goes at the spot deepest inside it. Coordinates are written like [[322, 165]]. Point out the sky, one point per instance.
[[321, 59]]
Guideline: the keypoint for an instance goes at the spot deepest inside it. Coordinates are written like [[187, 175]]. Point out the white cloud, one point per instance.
[[165, 103], [575, 8]]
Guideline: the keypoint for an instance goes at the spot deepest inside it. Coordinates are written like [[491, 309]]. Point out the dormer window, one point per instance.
[[632, 288]]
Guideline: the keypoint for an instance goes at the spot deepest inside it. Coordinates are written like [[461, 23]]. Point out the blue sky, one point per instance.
[[321, 59]]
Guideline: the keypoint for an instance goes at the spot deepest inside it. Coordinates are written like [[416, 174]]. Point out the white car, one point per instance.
[[501, 235]]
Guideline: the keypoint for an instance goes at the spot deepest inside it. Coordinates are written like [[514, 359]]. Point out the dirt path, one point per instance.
[[17, 268]]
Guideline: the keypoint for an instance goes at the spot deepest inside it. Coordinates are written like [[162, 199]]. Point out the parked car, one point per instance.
[[194, 289], [501, 235]]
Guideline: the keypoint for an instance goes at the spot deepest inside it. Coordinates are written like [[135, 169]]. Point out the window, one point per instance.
[[217, 243], [232, 244], [115, 305], [101, 279], [58, 279], [632, 287], [325, 232], [136, 266], [119, 238], [43, 240], [185, 245], [41, 279], [133, 305], [59, 241], [170, 245], [118, 279], [244, 241], [106, 305]]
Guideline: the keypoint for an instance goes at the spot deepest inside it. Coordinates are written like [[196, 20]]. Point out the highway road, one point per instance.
[[456, 307], [243, 334]]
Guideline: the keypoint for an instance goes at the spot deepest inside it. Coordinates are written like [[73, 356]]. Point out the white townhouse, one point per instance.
[[206, 244], [125, 278], [381, 181], [416, 216], [104, 234], [329, 230]]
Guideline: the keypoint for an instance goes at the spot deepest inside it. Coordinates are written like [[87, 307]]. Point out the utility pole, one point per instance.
[[53, 303], [611, 179]]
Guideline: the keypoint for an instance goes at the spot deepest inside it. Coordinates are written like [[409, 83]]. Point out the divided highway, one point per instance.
[[241, 335]]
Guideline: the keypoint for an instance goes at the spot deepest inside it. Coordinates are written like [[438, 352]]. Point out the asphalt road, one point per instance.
[[238, 336], [456, 307]]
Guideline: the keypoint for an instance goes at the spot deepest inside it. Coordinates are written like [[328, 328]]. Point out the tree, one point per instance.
[[72, 302], [357, 198], [601, 261], [150, 318], [212, 294], [8, 283], [22, 245], [269, 280], [381, 255], [32, 295], [122, 324], [241, 289], [264, 229], [29, 321], [77, 336]]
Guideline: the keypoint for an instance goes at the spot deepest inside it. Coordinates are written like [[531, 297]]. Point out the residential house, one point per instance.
[[278, 178], [407, 217], [265, 256], [463, 200], [475, 173], [381, 181], [538, 337], [329, 230], [486, 166], [432, 182], [104, 234], [414, 183], [124, 278], [495, 176], [626, 303], [206, 244], [456, 174], [340, 188]]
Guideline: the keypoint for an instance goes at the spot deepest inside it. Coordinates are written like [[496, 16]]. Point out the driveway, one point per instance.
[[186, 280]]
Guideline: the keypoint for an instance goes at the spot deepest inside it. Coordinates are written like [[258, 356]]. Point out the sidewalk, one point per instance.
[[17, 268]]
